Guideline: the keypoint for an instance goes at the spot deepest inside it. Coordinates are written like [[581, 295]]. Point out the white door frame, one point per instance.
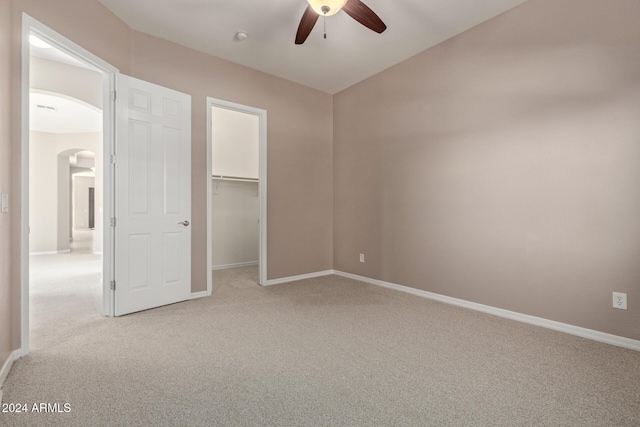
[[32, 26], [262, 186]]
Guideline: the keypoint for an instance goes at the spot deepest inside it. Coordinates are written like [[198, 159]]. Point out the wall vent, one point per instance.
[[47, 107]]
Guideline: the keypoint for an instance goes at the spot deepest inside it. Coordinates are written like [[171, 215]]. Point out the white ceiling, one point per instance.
[[350, 53], [54, 54]]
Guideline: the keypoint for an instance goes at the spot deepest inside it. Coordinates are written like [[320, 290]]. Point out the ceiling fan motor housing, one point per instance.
[[354, 8], [333, 6]]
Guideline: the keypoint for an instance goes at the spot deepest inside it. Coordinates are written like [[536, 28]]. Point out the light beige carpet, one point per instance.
[[328, 351]]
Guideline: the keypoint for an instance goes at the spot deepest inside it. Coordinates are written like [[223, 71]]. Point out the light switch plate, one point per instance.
[[5, 203]]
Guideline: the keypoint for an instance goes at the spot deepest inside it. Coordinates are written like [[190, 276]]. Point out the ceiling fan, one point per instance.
[[354, 8]]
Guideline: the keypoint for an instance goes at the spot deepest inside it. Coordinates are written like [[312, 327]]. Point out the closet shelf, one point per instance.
[[234, 178]]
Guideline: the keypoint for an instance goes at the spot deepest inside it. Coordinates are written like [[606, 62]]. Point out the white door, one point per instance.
[[153, 196]]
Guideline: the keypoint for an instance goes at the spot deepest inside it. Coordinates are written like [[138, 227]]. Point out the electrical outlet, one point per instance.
[[361, 257], [620, 300]]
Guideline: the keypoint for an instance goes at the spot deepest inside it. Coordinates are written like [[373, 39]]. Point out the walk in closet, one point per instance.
[[235, 207]]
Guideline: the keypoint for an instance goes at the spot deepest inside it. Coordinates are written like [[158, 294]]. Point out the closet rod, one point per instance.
[[233, 178]]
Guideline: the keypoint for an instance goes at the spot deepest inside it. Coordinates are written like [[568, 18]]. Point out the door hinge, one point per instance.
[[113, 285], [113, 159], [113, 95], [113, 221]]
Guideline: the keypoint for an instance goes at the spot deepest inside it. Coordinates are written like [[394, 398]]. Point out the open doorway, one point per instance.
[[66, 129], [65, 162], [236, 214]]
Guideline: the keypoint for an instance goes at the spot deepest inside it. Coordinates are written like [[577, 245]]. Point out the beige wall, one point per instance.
[[79, 83], [299, 152], [235, 215], [91, 26], [43, 193], [63, 197], [49, 187], [92, 141], [5, 183], [87, 23], [503, 166], [300, 135], [235, 143], [499, 167]]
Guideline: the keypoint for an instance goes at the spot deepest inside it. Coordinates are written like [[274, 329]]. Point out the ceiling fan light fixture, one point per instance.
[[333, 5], [354, 8]]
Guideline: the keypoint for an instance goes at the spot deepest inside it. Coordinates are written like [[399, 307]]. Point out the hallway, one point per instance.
[[64, 291]]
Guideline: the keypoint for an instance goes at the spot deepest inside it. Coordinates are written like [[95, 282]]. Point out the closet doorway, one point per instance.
[[237, 190]]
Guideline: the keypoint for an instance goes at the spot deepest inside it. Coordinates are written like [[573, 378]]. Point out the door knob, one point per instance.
[[185, 223]]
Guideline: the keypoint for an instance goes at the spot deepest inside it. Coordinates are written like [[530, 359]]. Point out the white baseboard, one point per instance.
[[66, 251], [201, 294], [525, 318], [240, 264], [299, 277]]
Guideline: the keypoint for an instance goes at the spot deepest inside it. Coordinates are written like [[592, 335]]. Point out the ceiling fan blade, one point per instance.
[[306, 25], [367, 17]]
